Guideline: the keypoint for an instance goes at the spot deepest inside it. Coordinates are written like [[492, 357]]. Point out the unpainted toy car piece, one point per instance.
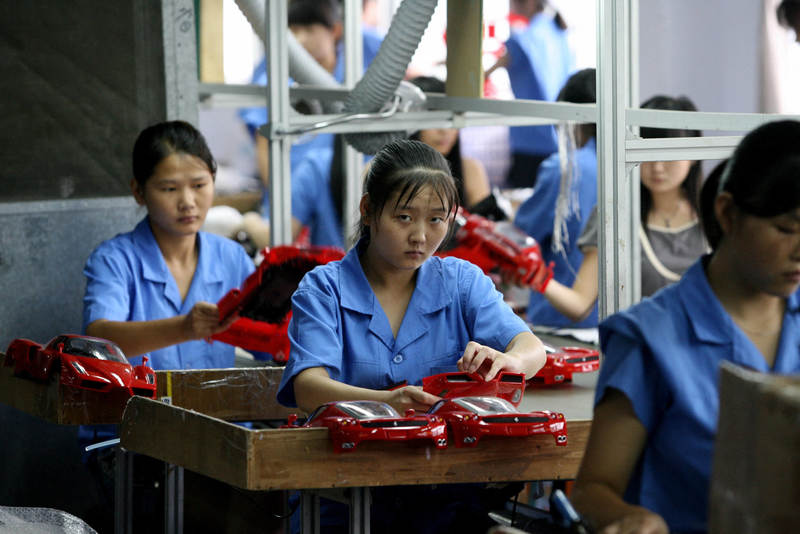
[[83, 362], [471, 418], [351, 422]]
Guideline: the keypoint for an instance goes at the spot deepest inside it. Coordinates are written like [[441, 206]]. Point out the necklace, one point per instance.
[[668, 218]]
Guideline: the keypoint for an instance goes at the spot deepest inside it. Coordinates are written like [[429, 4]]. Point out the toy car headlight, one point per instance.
[[151, 379], [78, 367]]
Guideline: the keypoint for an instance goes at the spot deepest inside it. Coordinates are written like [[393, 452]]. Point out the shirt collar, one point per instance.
[[697, 297], [357, 294]]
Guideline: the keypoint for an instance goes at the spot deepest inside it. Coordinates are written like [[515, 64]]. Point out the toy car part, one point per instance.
[[500, 246], [506, 385], [264, 303], [351, 422], [471, 418], [83, 362], [562, 363]]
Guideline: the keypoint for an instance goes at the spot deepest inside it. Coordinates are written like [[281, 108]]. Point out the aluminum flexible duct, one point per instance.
[[384, 75], [382, 78]]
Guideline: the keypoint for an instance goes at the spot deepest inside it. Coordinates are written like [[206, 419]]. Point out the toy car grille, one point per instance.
[[384, 424], [143, 392], [90, 384], [518, 419], [583, 359]]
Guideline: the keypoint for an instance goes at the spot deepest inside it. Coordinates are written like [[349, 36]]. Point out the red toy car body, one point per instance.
[[564, 362], [471, 418], [83, 362], [508, 386], [497, 246], [351, 422], [264, 300]]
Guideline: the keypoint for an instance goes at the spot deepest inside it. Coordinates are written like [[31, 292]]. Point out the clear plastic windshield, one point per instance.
[[365, 410], [100, 349], [485, 405]]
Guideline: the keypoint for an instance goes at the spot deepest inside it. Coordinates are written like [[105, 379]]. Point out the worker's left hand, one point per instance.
[[487, 361]]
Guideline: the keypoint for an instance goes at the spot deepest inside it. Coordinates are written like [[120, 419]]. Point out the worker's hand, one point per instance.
[[641, 522], [401, 399], [202, 321], [529, 270], [486, 361]]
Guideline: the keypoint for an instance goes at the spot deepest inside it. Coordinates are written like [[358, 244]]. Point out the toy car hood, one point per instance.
[[508, 386]]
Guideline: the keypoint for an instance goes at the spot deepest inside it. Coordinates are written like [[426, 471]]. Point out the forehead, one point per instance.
[[424, 197], [179, 163]]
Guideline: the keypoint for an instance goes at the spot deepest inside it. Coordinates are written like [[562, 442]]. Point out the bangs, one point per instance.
[[655, 133], [410, 182]]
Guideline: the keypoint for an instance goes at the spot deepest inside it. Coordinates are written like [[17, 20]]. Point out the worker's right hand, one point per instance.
[[202, 321], [641, 522], [532, 271], [401, 399]]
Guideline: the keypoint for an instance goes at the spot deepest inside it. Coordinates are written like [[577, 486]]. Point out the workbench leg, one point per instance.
[[359, 510], [309, 510], [173, 499], [123, 492]]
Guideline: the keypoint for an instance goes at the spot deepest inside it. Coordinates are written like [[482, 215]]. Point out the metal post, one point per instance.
[[280, 195], [353, 160], [123, 492], [632, 55], [180, 59], [173, 499], [616, 235], [309, 512], [359, 510]]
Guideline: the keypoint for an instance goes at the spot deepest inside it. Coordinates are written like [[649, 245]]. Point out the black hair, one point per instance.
[[708, 195], [787, 12], [762, 175], [541, 4], [691, 185], [161, 140], [429, 84], [308, 12], [581, 88], [404, 167]]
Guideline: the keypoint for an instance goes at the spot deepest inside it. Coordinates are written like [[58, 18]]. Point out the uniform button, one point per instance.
[[398, 358]]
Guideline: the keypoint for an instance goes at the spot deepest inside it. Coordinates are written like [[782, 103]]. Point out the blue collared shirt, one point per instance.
[[664, 355], [312, 201], [541, 62], [535, 217], [338, 323], [127, 279]]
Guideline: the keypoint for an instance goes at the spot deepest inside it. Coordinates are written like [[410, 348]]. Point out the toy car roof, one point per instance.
[[508, 386]]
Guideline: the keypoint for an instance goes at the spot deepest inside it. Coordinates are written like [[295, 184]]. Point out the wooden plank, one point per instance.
[[211, 42], [239, 394], [465, 48], [303, 458], [56, 403]]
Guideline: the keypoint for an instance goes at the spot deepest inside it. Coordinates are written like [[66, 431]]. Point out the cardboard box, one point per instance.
[[755, 482]]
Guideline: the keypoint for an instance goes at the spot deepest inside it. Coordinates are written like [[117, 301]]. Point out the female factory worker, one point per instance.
[[152, 290], [564, 196], [648, 460], [391, 312], [670, 233], [471, 179]]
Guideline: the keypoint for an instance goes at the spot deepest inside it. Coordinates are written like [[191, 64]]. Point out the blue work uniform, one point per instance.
[[312, 202], [535, 217], [664, 355], [338, 323], [127, 279], [309, 143], [540, 63]]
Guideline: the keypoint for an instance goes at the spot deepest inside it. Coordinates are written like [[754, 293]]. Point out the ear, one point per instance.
[[725, 211], [137, 191], [338, 31], [363, 208]]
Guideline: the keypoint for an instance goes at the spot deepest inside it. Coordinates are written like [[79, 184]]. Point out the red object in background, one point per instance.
[[471, 418], [563, 363], [351, 422], [82, 362], [264, 303], [508, 386], [503, 247]]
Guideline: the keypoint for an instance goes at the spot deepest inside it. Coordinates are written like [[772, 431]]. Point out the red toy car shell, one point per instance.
[[562, 363], [508, 386], [471, 418], [351, 422], [83, 362], [264, 300]]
